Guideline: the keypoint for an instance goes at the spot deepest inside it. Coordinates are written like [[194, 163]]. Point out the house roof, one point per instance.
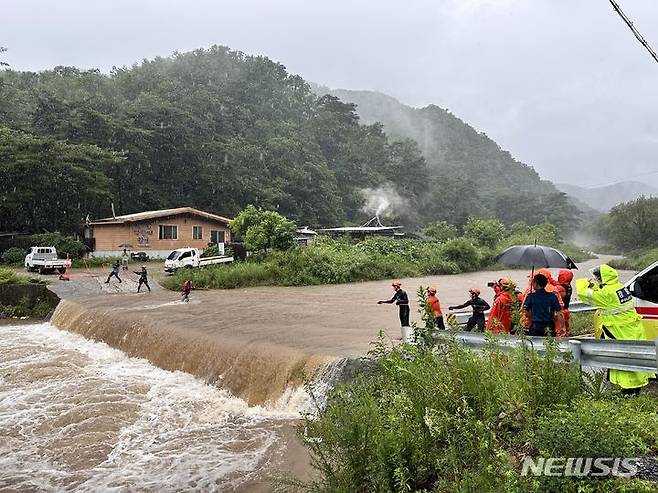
[[143, 216], [362, 229]]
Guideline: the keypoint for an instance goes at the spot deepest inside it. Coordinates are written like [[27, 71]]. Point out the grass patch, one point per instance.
[[582, 323], [328, 261], [8, 276], [451, 420], [637, 260]]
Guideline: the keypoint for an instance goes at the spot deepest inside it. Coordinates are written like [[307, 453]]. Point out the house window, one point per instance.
[[217, 236], [197, 233], [167, 232]]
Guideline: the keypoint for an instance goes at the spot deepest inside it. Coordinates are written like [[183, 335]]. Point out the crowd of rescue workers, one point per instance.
[[542, 310]]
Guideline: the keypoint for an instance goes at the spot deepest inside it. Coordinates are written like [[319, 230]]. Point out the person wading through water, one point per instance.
[[479, 307], [401, 299], [143, 279], [185, 293], [115, 272]]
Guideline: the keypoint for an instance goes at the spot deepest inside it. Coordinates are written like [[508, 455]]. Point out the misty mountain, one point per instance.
[[478, 176], [605, 198], [450, 145]]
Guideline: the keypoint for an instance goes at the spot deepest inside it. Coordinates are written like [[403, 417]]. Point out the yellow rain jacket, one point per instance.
[[617, 315]]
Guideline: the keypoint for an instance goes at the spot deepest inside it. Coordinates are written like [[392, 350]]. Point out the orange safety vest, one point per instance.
[[434, 304], [500, 316]]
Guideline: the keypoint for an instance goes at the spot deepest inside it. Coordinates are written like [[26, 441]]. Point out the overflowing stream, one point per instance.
[[77, 415]]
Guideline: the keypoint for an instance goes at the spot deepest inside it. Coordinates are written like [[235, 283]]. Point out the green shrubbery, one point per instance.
[[637, 260], [451, 420], [328, 261], [13, 256], [25, 309], [332, 262], [65, 245], [8, 276]]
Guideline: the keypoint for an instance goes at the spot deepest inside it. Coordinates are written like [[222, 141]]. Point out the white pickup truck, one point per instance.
[[44, 259], [191, 257]]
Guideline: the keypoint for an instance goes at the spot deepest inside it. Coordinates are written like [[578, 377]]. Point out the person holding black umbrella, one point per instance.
[[544, 307]]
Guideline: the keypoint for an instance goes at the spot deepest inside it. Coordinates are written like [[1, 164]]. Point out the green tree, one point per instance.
[[632, 225], [48, 185], [262, 230], [440, 230], [484, 232]]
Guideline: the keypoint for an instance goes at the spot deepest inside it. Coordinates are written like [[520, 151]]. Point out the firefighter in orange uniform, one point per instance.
[[500, 316], [434, 305]]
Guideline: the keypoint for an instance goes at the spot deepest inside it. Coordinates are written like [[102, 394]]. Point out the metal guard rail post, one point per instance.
[[589, 353]]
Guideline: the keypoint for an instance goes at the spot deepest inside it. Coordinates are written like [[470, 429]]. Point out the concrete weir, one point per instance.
[[258, 372]]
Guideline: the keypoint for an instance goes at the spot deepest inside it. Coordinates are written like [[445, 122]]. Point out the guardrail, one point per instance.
[[588, 353]]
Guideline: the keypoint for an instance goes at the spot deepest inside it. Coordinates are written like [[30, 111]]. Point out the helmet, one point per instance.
[[396, 283], [474, 291], [431, 290], [504, 282]]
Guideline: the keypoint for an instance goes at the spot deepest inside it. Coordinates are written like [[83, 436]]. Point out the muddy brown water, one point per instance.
[[141, 392]]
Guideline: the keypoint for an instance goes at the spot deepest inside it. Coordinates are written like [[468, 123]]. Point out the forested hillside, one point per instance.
[[468, 164], [217, 129]]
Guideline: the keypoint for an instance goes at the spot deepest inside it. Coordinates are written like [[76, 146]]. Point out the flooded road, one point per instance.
[[77, 415]]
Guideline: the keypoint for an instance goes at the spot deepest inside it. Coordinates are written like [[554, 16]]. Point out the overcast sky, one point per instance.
[[562, 84]]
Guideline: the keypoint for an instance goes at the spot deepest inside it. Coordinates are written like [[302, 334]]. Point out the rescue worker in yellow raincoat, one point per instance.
[[618, 316]]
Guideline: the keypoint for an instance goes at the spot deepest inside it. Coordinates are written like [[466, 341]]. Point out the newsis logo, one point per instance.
[[596, 467]]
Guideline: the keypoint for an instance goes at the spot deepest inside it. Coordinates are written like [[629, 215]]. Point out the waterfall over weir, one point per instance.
[[79, 416], [258, 372]]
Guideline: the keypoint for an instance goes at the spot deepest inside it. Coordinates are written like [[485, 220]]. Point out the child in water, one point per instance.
[[187, 287]]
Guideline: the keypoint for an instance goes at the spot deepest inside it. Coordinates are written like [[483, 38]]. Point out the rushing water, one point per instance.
[[77, 415]]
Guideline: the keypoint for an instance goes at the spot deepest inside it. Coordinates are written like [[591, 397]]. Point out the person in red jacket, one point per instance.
[[434, 305], [187, 289], [565, 290], [500, 316]]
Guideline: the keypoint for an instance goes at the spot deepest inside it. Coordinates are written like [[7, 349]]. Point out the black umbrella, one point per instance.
[[535, 256]]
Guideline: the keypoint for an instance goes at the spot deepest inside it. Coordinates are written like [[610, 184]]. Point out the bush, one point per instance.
[[440, 231], [484, 232], [451, 420], [8, 276], [13, 256], [588, 428], [211, 250], [637, 260], [581, 323], [462, 253], [241, 274]]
